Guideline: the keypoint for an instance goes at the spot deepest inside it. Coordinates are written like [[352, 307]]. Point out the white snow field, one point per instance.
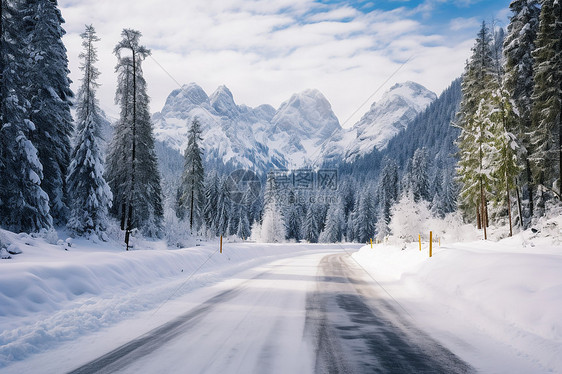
[[497, 305]]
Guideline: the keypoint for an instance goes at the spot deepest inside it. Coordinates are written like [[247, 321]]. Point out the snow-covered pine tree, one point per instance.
[[333, 228], [210, 209], [24, 206], [419, 176], [50, 96], [475, 142], [409, 218], [505, 167], [350, 228], [224, 208], [191, 190], [388, 188], [293, 217], [311, 224], [546, 142], [132, 166], [365, 217], [518, 46], [273, 223], [243, 231], [89, 194]]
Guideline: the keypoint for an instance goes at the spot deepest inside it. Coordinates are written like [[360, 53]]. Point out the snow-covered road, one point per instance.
[[300, 315], [254, 327]]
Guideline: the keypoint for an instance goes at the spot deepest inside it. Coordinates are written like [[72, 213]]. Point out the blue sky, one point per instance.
[[265, 50]]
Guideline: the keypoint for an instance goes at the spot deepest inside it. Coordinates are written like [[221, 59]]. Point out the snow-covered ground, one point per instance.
[[498, 305]]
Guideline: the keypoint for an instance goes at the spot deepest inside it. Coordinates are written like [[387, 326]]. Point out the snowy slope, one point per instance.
[[384, 120]]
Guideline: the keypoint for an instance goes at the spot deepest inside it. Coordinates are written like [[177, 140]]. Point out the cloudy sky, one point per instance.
[[266, 50]]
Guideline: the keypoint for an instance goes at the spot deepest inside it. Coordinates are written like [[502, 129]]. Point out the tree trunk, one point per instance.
[[478, 216], [508, 204], [519, 207], [530, 187], [484, 213]]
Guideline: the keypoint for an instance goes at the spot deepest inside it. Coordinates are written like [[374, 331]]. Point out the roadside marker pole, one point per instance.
[[371, 242], [419, 238], [221, 243], [430, 243]]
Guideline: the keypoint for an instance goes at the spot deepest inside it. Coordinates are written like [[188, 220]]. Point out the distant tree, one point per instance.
[[273, 223], [311, 224], [388, 188], [49, 94], [365, 217], [224, 208], [418, 178], [333, 229], [210, 209], [90, 196], [409, 218], [243, 231], [24, 205], [132, 167], [293, 217], [191, 190]]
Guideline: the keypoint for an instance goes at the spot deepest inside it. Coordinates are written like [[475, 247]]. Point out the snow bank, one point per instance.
[[510, 291]]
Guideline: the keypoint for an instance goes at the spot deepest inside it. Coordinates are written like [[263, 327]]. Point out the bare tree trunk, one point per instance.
[[519, 206], [508, 205], [484, 213], [478, 216]]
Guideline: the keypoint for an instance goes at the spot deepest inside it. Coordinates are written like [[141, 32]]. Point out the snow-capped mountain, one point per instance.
[[301, 125], [384, 120], [255, 138], [302, 131]]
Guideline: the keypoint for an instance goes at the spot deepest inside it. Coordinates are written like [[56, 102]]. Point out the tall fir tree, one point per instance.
[[191, 190], [24, 205], [132, 166], [50, 98], [518, 46], [546, 139], [88, 190], [476, 138]]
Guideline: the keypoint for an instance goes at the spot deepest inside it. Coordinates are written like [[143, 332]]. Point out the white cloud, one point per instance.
[[464, 23], [264, 51]]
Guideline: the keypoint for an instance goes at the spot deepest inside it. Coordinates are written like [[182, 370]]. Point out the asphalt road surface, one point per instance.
[[309, 314]]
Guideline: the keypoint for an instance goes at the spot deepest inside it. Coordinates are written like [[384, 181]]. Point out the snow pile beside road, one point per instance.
[[509, 290], [54, 293]]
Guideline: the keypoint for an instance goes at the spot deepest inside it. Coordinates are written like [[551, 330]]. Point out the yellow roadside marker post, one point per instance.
[[371, 242], [419, 238], [430, 243], [221, 243]]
